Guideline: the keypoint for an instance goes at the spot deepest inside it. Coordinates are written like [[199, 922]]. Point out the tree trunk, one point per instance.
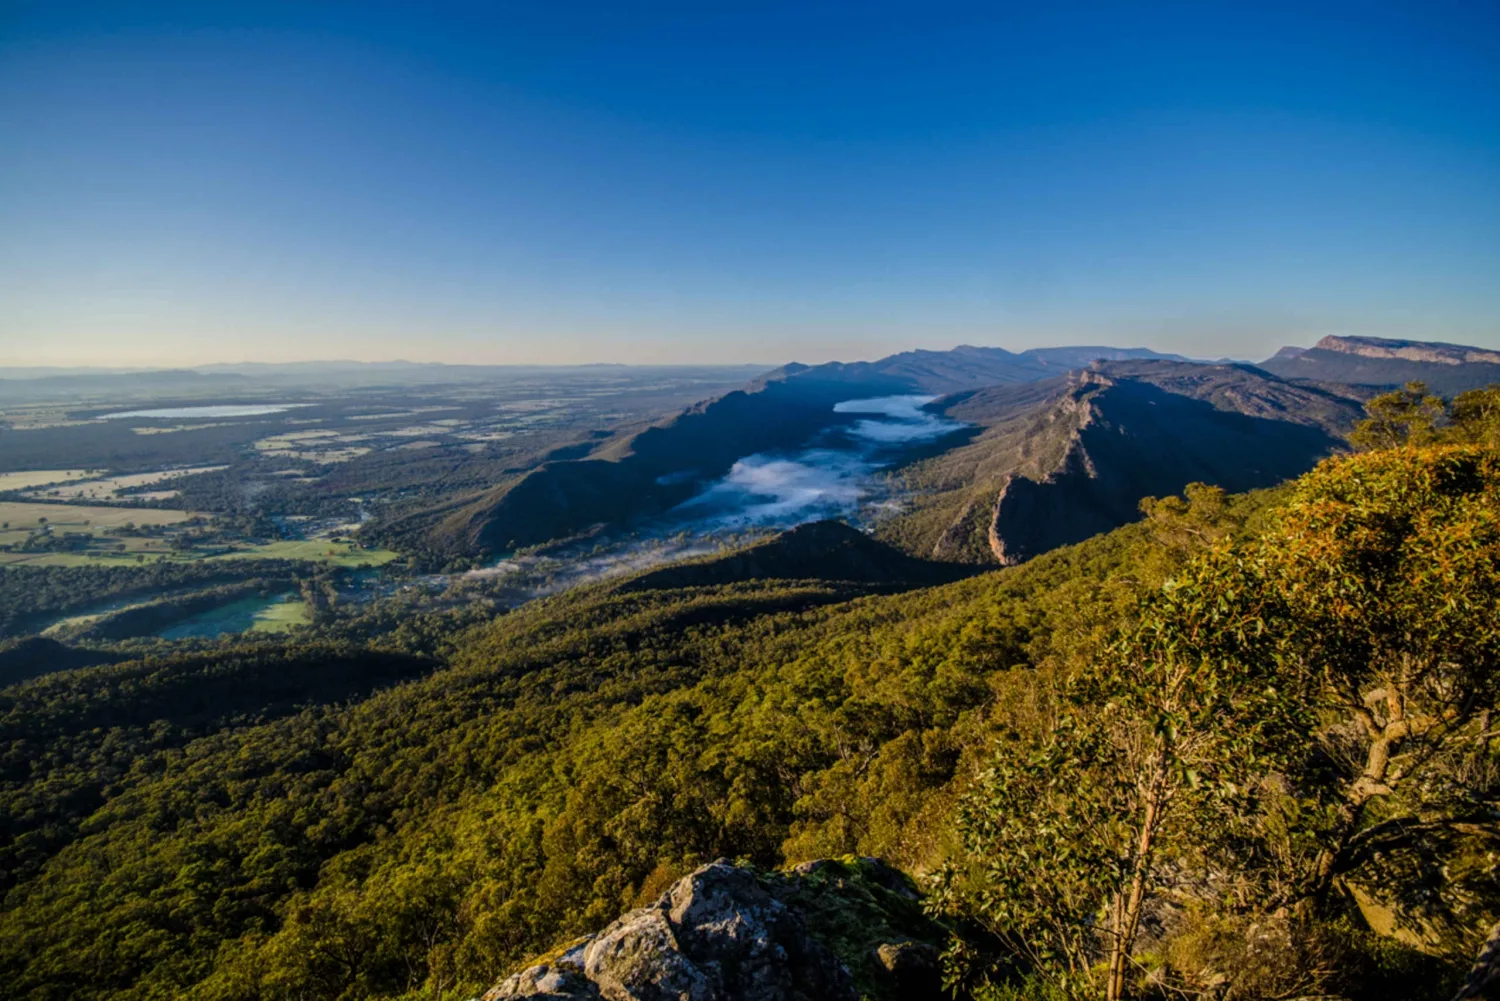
[[1372, 782], [1132, 896]]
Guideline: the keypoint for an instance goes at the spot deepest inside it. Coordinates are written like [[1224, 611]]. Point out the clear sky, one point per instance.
[[713, 181]]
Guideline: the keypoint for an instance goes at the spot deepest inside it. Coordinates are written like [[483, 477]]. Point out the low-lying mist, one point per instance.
[[835, 475]]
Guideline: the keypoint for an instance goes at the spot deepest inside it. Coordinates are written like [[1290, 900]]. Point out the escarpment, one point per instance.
[[1060, 462]]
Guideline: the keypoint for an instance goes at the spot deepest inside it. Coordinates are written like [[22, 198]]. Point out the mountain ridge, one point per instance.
[[1063, 460]]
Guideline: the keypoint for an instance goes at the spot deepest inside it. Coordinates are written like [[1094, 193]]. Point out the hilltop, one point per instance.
[[819, 550]]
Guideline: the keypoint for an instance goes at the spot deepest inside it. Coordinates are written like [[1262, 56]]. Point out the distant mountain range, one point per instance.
[[49, 384], [1053, 444], [647, 473], [965, 367], [1378, 361], [69, 386]]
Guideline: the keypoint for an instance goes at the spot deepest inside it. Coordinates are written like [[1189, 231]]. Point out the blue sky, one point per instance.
[[723, 182]]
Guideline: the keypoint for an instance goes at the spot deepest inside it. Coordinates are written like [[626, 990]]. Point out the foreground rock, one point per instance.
[[827, 931]]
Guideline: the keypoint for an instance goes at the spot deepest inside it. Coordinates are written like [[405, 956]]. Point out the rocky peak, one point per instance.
[[832, 930]]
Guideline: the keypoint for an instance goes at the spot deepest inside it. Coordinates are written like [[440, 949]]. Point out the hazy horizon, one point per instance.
[[866, 354], [676, 184]]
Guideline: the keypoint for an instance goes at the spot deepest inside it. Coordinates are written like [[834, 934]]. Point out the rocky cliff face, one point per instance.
[[1432, 352], [829, 931]]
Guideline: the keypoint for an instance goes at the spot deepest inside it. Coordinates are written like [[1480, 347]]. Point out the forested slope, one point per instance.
[[574, 754]]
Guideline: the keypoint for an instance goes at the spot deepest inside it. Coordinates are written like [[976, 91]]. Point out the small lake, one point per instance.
[[274, 614], [248, 410]]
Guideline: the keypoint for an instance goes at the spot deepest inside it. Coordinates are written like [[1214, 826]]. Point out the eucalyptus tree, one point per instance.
[[1388, 567], [1154, 746]]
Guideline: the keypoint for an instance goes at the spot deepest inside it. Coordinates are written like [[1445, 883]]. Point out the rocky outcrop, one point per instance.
[[828, 930]]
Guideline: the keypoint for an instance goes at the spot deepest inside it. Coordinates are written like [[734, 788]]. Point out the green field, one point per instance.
[[107, 487], [19, 519], [277, 614], [342, 554]]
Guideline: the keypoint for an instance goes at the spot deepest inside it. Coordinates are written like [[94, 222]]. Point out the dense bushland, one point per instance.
[[1274, 774]]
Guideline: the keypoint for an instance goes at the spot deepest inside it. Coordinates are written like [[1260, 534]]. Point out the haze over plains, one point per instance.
[[699, 183]]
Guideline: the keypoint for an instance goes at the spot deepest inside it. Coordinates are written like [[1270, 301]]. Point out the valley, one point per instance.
[[522, 483]]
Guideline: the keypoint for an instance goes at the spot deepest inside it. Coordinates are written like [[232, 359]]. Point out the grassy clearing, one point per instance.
[[281, 616], [343, 554], [277, 614], [95, 614], [43, 477], [21, 515]]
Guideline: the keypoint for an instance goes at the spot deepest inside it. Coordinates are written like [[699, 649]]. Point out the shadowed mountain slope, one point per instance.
[[1378, 361], [1065, 459], [32, 656]]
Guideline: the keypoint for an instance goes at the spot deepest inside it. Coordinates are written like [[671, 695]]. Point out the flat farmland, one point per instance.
[[84, 559], [42, 477], [21, 515], [106, 487]]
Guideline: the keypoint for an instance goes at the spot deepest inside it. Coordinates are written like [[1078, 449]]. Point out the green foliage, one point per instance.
[[570, 754], [1154, 744], [1389, 564], [1474, 417], [1300, 720], [75, 739], [1412, 416], [1405, 416]]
